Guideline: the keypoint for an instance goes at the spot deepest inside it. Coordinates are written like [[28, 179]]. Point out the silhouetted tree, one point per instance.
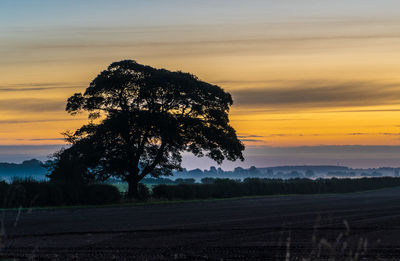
[[253, 170], [185, 181], [142, 119], [208, 180], [238, 170], [213, 169], [294, 174], [309, 173], [75, 165]]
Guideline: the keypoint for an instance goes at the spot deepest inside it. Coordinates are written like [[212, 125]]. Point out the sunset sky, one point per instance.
[[313, 81]]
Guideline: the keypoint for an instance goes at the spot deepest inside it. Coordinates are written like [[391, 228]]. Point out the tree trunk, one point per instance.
[[133, 191]]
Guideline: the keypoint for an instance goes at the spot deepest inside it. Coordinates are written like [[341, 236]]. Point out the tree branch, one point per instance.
[[157, 159]]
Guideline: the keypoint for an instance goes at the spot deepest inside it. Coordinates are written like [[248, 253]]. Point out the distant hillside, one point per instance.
[[288, 172], [34, 168], [31, 167], [321, 168]]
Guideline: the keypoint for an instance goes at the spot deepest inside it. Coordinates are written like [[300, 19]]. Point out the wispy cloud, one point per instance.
[[23, 87], [329, 134], [307, 95], [368, 110], [249, 136], [250, 140], [390, 134], [39, 121], [31, 105], [47, 139], [55, 44]]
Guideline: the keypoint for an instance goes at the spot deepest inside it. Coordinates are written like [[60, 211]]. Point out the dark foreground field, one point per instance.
[[365, 224]]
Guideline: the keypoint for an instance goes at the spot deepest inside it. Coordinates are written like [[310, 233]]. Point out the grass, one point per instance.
[[178, 201], [339, 246]]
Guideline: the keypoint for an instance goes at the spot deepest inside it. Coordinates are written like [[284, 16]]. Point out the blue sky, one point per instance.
[[48, 13]]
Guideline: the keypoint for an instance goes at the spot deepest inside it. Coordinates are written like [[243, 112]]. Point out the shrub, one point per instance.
[[161, 191], [143, 192], [100, 194], [208, 180], [31, 193], [225, 188]]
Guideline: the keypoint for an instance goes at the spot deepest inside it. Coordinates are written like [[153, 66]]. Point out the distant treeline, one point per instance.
[[288, 172], [31, 193], [35, 168], [167, 181], [31, 167], [226, 188]]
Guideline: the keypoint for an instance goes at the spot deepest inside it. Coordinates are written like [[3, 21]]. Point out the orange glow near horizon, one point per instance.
[[295, 81]]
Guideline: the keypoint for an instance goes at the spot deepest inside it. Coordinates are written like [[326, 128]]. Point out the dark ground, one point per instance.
[[343, 226]]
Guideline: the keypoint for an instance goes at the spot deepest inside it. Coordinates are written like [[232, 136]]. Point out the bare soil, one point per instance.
[[361, 225]]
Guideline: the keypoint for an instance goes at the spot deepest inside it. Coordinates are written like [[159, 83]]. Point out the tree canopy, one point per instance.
[[141, 119]]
